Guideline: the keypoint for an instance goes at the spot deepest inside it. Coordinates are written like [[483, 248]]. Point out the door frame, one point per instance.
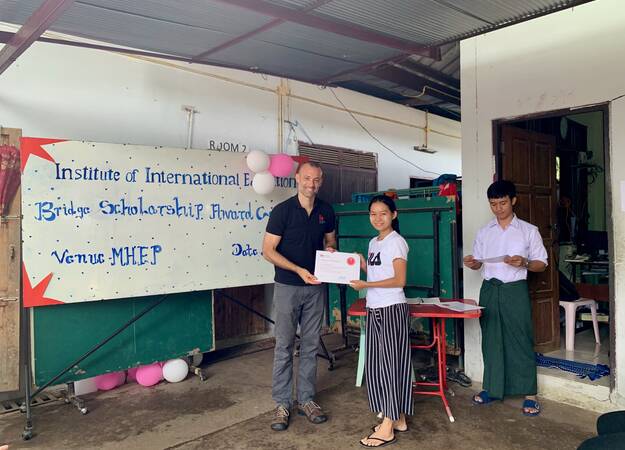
[[11, 136], [603, 107]]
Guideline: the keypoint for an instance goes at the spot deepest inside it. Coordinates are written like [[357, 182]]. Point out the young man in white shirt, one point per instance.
[[506, 322]]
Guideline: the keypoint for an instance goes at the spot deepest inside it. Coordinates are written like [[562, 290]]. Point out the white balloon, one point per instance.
[[175, 370], [263, 183], [258, 161]]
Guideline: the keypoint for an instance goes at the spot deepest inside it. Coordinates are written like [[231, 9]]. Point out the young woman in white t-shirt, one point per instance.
[[387, 358]]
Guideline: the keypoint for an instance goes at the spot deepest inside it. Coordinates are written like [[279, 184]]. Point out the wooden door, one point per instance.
[[234, 322], [528, 159], [10, 226]]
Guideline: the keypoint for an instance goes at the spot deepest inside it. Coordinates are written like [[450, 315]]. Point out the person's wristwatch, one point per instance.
[[527, 263]]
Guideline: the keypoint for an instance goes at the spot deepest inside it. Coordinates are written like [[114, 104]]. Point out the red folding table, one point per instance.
[[438, 343]]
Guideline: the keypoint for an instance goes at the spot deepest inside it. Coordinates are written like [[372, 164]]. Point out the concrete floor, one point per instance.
[[231, 410], [587, 351]]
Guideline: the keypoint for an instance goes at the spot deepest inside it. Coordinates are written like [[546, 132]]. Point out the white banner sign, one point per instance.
[[104, 221]]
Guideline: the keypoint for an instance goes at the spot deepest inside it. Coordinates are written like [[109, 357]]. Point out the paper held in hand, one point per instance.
[[337, 267], [494, 259]]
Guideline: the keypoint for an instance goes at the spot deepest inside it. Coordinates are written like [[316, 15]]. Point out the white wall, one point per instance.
[[58, 91], [568, 59]]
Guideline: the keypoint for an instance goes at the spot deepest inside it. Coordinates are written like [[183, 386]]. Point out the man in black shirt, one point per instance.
[[297, 228]]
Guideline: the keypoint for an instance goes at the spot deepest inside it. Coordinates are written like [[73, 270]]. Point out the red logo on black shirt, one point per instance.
[[322, 220]]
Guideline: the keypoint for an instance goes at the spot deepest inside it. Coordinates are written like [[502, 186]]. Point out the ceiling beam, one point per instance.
[[32, 29], [347, 74], [249, 34], [394, 60], [372, 90], [447, 113], [417, 83], [413, 66], [333, 26], [418, 103]]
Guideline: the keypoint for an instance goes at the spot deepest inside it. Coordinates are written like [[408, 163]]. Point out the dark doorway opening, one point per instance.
[[559, 162], [419, 182]]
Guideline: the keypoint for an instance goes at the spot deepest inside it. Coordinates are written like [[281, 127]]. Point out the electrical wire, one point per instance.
[[376, 139]]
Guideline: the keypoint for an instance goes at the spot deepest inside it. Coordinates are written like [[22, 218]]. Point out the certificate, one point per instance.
[[337, 267], [494, 259]]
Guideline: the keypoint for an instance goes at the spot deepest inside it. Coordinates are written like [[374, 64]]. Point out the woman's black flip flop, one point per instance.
[[383, 442]]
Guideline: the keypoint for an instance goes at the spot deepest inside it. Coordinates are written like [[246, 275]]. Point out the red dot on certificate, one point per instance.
[[351, 261]]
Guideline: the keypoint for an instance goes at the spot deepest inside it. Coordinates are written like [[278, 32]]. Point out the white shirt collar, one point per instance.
[[515, 222]]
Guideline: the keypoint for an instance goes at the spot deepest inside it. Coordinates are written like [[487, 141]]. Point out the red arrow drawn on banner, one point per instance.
[[34, 296], [33, 146]]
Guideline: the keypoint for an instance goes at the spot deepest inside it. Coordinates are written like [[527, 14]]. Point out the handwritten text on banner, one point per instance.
[[104, 221]]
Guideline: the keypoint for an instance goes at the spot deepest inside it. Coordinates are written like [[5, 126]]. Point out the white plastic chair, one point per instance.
[[570, 311]]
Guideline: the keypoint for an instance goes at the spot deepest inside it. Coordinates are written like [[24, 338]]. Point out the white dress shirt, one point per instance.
[[519, 238]]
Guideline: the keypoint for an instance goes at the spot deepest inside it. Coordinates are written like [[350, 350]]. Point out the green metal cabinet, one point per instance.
[[433, 270]]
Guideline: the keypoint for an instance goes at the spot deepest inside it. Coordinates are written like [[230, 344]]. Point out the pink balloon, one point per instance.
[[149, 375], [132, 374], [108, 381], [281, 165]]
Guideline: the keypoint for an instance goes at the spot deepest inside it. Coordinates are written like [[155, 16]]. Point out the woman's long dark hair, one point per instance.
[[388, 201]]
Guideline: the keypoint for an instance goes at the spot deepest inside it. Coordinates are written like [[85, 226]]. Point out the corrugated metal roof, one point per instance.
[[332, 41], [326, 44], [271, 58], [501, 11], [430, 22], [449, 63], [450, 55], [179, 27], [16, 11], [138, 31], [294, 4], [421, 21], [215, 16], [209, 15]]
